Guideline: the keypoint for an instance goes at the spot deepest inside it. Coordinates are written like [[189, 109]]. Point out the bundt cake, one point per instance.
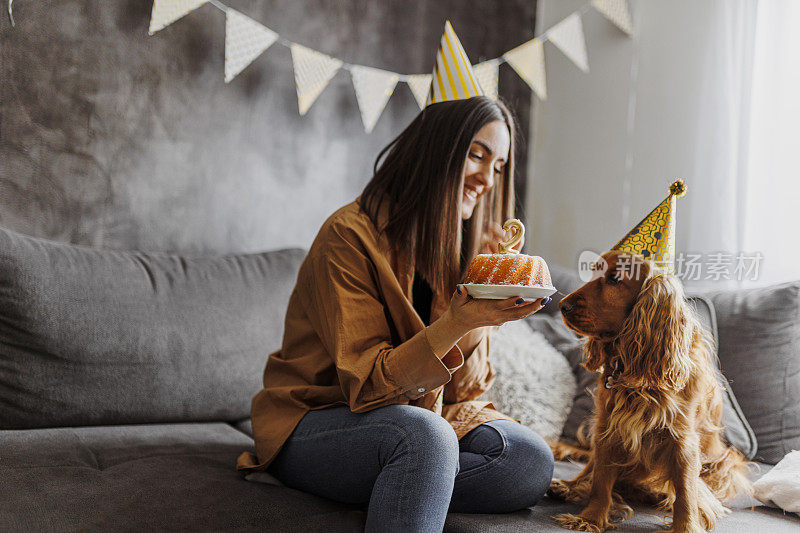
[[509, 267]]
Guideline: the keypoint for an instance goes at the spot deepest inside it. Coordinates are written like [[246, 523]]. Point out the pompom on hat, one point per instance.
[[654, 237], [453, 77]]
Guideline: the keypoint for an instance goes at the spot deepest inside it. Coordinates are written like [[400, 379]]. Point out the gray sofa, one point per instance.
[[125, 387]]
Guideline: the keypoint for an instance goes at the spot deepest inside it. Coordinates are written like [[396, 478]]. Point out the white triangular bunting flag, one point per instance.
[[373, 88], [567, 35], [245, 40], [617, 12], [486, 73], [165, 12], [312, 72], [420, 85], [527, 60]]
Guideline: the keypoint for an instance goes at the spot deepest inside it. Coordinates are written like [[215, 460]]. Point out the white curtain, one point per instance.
[[705, 90], [716, 213], [772, 197], [748, 145]]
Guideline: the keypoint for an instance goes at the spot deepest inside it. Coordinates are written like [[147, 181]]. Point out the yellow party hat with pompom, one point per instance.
[[453, 77], [654, 237]]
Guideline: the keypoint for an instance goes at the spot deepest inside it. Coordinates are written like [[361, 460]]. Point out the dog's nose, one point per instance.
[[566, 306]]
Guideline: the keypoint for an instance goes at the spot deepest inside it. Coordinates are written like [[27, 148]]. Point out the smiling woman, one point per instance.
[[448, 179], [486, 162], [373, 393]]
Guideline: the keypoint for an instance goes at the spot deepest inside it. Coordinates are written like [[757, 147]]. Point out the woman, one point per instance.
[[371, 398]]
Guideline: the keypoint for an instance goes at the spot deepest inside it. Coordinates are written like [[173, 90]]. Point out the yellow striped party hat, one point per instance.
[[654, 237], [453, 78]]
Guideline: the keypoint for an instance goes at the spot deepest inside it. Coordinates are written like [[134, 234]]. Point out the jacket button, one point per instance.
[[421, 389]]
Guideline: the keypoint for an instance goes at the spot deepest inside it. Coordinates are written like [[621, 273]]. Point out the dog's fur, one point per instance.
[[657, 434]]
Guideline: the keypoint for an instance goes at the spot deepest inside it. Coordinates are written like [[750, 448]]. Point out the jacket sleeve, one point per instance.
[[345, 307], [475, 376]]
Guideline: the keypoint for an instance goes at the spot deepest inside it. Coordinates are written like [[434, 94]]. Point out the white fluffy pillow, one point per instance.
[[534, 381]]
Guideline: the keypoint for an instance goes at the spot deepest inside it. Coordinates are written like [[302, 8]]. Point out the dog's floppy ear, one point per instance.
[[657, 337]]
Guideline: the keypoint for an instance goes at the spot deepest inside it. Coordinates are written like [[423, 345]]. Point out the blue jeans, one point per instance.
[[406, 463]]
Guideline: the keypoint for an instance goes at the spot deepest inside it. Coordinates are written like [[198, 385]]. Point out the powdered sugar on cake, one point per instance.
[[508, 269]]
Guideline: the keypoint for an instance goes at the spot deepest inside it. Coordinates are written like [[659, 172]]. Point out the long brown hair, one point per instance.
[[420, 174]]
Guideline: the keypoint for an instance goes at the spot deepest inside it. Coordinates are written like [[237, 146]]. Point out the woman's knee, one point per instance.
[[426, 434], [530, 462]]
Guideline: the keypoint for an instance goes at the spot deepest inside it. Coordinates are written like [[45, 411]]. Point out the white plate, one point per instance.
[[500, 292]]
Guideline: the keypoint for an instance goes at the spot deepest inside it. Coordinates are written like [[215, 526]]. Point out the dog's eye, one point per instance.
[[613, 279]]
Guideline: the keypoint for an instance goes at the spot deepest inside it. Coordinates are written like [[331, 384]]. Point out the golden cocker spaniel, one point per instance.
[[657, 433]]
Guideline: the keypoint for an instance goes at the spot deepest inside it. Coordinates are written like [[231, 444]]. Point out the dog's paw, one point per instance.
[[688, 529], [662, 503], [619, 512], [671, 526], [565, 490], [558, 489], [619, 509], [578, 523]]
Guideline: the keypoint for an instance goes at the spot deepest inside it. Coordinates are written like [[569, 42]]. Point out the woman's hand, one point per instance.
[[468, 313], [493, 234]]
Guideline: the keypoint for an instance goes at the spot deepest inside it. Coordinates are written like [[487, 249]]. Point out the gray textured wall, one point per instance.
[[114, 138]]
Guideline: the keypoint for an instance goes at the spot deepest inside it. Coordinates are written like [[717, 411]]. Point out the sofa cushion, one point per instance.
[[737, 430], [534, 382], [747, 512], [92, 336], [747, 515], [165, 477], [759, 347], [180, 477]]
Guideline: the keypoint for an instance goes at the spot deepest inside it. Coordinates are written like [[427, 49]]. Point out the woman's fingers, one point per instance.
[[512, 302], [516, 308], [497, 231], [527, 309], [482, 311], [507, 303], [498, 235], [492, 234], [461, 296], [507, 309]]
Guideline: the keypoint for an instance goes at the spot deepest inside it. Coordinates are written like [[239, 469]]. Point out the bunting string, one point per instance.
[[246, 39]]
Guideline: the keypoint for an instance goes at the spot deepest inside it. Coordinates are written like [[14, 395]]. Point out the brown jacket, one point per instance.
[[352, 337]]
